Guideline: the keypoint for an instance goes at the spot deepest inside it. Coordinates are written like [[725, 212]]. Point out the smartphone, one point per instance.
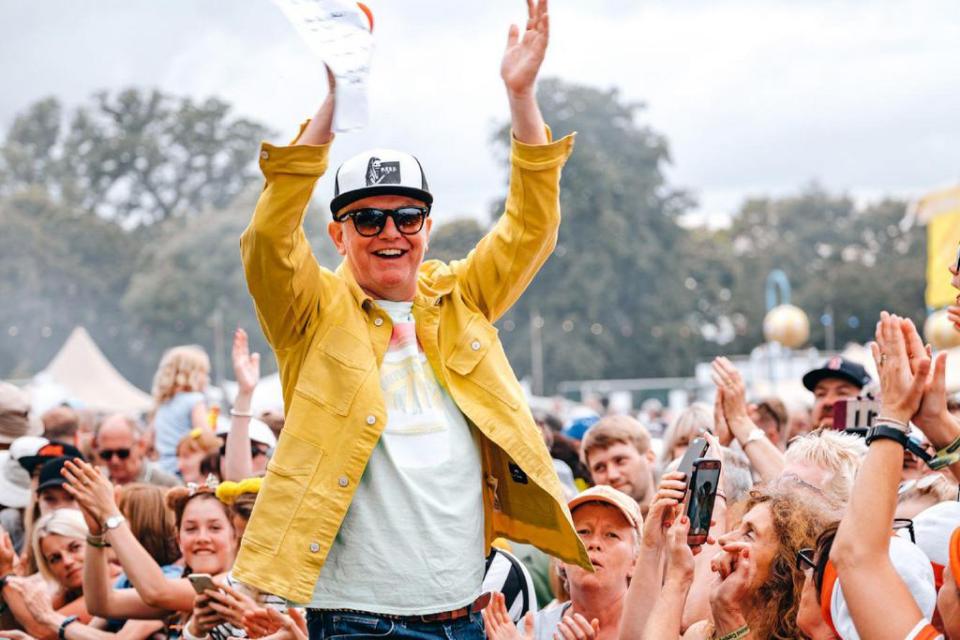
[[695, 450], [700, 498], [855, 414], [201, 582]]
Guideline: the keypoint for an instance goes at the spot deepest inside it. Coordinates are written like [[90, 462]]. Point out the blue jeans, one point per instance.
[[354, 626]]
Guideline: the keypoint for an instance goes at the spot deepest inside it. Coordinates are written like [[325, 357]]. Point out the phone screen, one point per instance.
[[703, 492], [201, 582]]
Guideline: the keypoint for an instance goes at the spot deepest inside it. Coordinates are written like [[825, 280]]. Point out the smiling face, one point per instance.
[[385, 266], [611, 545], [64, 557], [827, 392], [206, 536]]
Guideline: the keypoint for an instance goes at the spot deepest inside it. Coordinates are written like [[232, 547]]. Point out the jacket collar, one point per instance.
[[434, 281]]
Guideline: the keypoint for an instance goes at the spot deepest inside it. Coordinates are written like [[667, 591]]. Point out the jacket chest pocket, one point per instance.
[[336, 369], [479, 358]]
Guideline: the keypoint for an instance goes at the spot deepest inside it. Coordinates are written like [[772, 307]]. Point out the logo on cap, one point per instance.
[[380, 172], [835, 363]]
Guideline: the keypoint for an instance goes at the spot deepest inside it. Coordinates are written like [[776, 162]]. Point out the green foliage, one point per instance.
[[453, 240]]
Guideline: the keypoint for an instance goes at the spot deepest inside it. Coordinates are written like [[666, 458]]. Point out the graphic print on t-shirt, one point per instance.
[[417, 431]]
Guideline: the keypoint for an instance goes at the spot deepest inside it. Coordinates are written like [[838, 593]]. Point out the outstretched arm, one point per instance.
[[282, 274], [519, 69], [861, 549]]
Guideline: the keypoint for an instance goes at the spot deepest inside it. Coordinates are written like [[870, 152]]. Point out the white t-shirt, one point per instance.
[[412, 541]]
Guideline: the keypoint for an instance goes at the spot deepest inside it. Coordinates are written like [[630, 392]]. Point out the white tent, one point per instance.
[[80, 373]]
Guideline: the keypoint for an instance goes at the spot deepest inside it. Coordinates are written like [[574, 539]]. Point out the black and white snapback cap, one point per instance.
[[379, 172]]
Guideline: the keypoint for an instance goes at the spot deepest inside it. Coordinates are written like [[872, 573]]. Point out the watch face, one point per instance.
[[114, 521]]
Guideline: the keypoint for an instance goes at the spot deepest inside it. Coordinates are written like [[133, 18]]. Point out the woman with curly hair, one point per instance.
[[759, 587], [178, 387]]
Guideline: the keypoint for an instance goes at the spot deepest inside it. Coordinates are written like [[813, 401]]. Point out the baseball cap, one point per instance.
[[15, 418], [379, 172], [913, 567], [608, 495], [50, 475], [259, 431], [46, 452], [838, 367]]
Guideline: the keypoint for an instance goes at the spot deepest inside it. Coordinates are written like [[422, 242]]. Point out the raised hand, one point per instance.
[[246, 365], [525, 52], [574, 626], [903, 372], [92, 491], [660, 516], [679, 555], [8, 555], [499, 626]]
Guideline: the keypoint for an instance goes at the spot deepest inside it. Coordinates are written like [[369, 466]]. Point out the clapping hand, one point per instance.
[[525, 52], [93, 492], [498, 624], [903, 369], [269, 623]]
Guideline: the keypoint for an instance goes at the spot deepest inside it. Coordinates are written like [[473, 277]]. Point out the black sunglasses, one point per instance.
[[107, 454], [805, 559], [370, 222], [905, 523]]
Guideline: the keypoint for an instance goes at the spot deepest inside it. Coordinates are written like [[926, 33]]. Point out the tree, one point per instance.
[[136, 157]]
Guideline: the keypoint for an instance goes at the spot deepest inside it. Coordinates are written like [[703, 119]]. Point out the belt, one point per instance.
[[444, 616]]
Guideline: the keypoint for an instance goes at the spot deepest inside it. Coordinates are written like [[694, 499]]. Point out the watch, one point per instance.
[[881, 432], [62, 631], [113, 522]]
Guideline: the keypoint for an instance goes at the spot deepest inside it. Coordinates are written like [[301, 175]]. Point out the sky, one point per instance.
[[755, 97]]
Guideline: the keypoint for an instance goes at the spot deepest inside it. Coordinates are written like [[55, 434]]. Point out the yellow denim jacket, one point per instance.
[[330, 337]]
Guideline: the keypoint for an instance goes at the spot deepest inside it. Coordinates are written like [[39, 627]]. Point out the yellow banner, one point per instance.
[[941, 211]]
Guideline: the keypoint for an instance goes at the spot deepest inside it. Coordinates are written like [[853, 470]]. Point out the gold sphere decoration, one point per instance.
[[787, 325], [940, 332]]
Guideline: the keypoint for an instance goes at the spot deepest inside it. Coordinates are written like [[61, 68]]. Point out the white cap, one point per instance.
[[14, 480], [259, 431], [913, 567], [379, 172]]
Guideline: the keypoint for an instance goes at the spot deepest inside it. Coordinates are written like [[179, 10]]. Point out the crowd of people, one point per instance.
[[409, 475]]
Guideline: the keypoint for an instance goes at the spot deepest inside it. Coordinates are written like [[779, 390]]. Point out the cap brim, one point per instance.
[[581, 500], [350, 197], [52, 482], [811, 378], [30, 463]]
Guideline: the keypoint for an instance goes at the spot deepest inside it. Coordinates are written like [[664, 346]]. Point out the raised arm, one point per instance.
[[505, 261], [861, 549], [237, 463], [282, 274], [765, 458], [666, 618]]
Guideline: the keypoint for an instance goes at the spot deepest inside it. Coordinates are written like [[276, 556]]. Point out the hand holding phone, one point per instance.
[[702, 494], [201, 582], [695, 450]]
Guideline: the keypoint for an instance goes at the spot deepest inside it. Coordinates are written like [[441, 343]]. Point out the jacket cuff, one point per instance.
[[538, 157], [295, 159]]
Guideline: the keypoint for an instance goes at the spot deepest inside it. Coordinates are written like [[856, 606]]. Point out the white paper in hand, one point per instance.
[[338, 32]]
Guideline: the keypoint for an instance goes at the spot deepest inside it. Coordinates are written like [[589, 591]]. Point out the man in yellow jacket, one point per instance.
[[408, 446]]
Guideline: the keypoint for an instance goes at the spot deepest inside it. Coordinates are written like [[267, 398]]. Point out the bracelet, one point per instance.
[[736, 634], [62, 631], [241, 414], [99, 541], [903, 426]]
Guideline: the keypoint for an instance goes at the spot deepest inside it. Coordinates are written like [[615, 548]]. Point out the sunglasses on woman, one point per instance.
[[370, 221]]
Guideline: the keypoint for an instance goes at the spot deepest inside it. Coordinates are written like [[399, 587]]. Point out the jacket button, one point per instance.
[[264, 154], [343, 481], [378, 322], [314, 547], [371, 419], [475, 345]]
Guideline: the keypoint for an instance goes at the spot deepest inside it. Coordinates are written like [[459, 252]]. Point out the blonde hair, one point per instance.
[[691, 423], [62, 522], [612, 430], [199, 439], [181, 369], [841, 453]]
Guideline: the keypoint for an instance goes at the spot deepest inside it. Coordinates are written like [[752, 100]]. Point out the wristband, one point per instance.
[[883, 432], [903, 426], [97, 541], [62, 631], [736, 634], [946, 456], [241, 414]]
